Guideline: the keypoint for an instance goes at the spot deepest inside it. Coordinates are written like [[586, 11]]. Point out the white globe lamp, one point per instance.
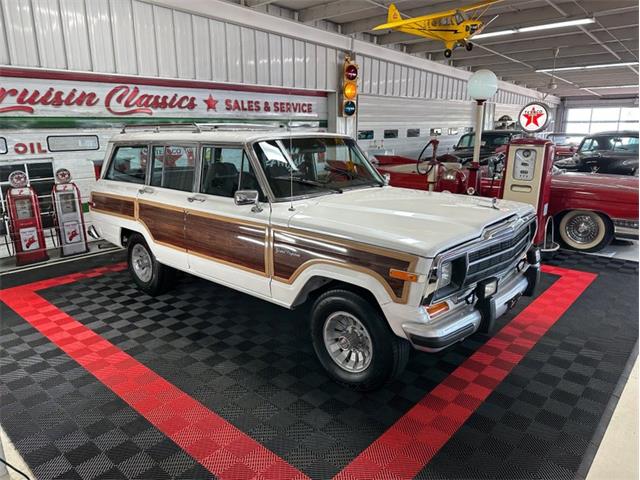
[[482, 85]]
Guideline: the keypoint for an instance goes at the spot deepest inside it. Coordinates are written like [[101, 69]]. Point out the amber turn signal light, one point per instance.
[[402, 275], [437, 308]]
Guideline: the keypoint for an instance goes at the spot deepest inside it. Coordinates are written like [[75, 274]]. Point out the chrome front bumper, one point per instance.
[[461, 322], [626, 229]]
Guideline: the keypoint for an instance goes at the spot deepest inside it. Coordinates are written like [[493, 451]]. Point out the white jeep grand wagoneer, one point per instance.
[[296, 218]]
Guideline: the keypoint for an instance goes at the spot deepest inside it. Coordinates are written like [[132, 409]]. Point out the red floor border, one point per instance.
[[402, 451]]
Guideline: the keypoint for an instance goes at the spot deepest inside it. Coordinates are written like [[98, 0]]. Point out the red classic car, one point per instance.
[[589, 209]]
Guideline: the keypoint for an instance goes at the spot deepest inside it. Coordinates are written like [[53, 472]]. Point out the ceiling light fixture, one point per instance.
[[568, 23], [533, 28], [588, 67], [494, 34]]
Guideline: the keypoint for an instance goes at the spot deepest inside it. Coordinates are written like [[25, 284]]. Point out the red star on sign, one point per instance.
[[532, 117], [211, 103]]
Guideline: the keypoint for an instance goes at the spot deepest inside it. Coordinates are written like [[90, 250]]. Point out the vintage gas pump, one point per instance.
[[68, 208], [24, 220], [527, 171]]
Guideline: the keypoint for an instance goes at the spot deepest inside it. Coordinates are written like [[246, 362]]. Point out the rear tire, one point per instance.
[[151, 276], [469, 46], [585, 230], [354, 342]]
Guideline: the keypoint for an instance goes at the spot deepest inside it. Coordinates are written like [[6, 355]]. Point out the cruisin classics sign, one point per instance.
[[47, 97]]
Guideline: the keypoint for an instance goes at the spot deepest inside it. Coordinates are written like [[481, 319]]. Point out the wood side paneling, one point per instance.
[[112, 204], [236, 243], [293, 252], [165, 225]]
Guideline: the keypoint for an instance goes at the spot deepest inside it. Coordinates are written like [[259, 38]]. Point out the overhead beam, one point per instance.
[[545, 54], [517, 41], [334, 9]]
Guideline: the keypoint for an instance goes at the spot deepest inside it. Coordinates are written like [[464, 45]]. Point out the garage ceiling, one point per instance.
[[611, 39]]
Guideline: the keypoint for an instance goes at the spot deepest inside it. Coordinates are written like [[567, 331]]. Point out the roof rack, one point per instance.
[[239, 125], [156, 127], [200, 127]]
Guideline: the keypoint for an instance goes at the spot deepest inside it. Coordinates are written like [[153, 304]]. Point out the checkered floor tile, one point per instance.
[[252, 364]]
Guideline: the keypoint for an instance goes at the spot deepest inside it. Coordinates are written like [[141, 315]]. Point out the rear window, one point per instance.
[[128, 164]]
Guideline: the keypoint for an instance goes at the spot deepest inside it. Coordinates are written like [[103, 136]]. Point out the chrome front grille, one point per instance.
[[493, 259]]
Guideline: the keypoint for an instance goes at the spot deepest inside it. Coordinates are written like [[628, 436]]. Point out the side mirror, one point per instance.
[[248, 197]]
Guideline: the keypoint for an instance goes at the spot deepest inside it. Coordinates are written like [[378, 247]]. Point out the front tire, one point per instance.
[[151, 276], [469, 46], [585, 231], [354, 342], [447, 53]]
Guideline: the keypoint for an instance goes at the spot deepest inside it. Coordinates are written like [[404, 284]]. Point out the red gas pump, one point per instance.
[[69, 218], [527, 171], [24, 220]]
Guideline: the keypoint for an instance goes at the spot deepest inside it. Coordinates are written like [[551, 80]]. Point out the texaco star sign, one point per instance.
[[534, 117]]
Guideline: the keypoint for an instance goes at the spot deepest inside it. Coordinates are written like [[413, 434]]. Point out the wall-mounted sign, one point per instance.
[[434, 132], [43, 97], [534, 117]]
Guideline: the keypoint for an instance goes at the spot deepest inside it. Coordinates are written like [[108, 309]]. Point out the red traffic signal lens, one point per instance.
[[351, 72]]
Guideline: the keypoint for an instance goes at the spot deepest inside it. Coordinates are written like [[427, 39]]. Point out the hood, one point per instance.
[[413, 221], [617, 188]]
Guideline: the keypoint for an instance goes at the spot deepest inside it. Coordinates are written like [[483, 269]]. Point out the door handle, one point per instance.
[[145, 190], [196, 198]]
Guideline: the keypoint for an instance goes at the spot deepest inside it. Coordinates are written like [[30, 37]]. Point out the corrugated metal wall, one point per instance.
[[381, 77], [134, 37], [138, 38], [384, 113]]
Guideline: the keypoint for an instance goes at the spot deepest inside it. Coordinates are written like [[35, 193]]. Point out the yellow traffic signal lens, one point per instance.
[[350, 90]]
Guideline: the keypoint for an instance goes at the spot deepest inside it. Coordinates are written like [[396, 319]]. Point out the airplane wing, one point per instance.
[[479, 5], [394, 20]]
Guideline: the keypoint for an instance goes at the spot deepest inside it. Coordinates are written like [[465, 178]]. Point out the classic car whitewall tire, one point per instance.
[[151, 276], [354, 342], [585, 231]]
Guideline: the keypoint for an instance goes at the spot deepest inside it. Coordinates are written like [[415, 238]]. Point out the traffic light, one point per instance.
[[349, 87]]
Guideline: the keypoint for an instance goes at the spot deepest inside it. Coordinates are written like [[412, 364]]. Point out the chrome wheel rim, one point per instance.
[[582, 229], [348, 342], [141, 263]]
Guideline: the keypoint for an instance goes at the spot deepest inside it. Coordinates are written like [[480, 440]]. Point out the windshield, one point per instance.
[[622, 143], [565, 139], [489, 140], [314, 166]]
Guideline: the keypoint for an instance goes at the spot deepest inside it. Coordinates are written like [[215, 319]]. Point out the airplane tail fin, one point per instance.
[[394, 14]]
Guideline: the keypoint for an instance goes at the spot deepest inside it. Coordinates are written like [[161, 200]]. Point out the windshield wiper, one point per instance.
[[305, 181]]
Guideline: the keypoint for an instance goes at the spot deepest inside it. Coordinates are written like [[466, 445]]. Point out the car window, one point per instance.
[[587, 145], [128, 164], [226, 170], [173, 167], [466, 141], [625, 144]]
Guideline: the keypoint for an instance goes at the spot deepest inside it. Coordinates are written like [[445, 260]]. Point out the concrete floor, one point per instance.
[[617, 457]]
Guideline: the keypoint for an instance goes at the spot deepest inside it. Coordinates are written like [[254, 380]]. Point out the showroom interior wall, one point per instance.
[[191, 41]]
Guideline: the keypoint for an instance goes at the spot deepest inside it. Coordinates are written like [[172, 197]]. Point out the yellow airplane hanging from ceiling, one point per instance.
[[451, 27]]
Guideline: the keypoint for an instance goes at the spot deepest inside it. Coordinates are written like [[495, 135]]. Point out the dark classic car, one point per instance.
[[606, 152], [566, 143], [492, 142]]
